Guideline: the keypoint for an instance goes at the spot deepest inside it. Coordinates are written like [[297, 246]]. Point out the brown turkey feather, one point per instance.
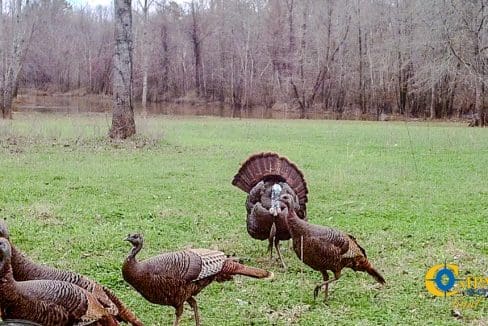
[[233, 267], [265, 166]]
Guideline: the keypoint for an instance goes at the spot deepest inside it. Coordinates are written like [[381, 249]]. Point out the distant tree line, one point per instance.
[[416, 58]]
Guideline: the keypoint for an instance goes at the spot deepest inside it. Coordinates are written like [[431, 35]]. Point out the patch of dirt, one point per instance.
[[289, 316], [44, 212]]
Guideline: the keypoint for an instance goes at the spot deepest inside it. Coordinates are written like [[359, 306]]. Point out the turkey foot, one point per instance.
[[325, 285]]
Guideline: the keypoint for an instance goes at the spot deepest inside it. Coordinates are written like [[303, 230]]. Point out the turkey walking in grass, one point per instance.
[[174, 278], [47, 302], [324, 248]]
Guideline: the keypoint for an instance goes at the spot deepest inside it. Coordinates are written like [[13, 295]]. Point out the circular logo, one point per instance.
[[441, 278]]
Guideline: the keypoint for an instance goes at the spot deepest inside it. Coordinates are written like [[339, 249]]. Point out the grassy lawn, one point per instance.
[[414, 195]]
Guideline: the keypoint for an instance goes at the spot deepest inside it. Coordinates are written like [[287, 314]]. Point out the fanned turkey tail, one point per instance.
[[271, 166]]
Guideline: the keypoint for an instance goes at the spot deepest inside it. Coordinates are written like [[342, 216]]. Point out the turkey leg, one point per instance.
[[193, 304], [178, 313], [272, 240], [325, 284]]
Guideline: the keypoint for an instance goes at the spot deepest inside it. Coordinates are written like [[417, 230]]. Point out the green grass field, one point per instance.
[[413, 194]]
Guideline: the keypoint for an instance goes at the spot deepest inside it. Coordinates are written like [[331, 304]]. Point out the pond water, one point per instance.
[[66, 104]]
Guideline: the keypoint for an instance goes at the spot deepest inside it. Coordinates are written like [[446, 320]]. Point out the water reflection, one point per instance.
[[103, 104]]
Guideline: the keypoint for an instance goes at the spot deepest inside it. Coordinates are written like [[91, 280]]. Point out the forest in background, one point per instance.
[[351, 58]]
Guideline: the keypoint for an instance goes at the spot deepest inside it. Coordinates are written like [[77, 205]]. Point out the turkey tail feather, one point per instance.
[[264, 166], [124, 313], [235, 268], [368, 268], [377, 276]]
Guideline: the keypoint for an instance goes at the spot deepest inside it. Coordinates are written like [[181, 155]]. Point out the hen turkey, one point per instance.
[[265, 176], [324, 248], [175, 277], [47, 302], [24, 270]]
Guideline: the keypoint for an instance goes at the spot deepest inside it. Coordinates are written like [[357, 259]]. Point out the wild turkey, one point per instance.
[[175, 277], [324, 248], [24, 270], [47, 302], [265, 176]]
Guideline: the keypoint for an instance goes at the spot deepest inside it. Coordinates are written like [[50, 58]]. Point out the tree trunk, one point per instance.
[[221, 93], [7, 101], [402, 87], [362, 101], [165, 63], [145, 56], [452, 94], [2, 66], [483, 113], [433, 99], [290, 57], [196, 49], [482, 64], [2, 69], [479, 103], [123, 124], [18, 50], [305, 106]]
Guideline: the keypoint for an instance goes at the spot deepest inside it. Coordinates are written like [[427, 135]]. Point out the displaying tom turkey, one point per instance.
[[47, 302], [265, 176], [174, 278], [24, 270], [325, 249]]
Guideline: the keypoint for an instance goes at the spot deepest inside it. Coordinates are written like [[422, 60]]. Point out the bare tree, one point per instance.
[[123, 124], [470, 19], [315, 76], [2, 57], [362, 95], [196, 39], [145, 5], [21, 31]]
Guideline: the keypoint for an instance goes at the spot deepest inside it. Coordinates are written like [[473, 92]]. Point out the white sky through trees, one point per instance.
[[92, 3], [105, 3]]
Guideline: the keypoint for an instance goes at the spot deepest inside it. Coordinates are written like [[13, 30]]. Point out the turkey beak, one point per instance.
[[127, 238], [275, 208], [275, 211], [282, 205]]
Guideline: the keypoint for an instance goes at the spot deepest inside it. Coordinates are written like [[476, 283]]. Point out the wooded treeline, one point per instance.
[[361, 58]]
